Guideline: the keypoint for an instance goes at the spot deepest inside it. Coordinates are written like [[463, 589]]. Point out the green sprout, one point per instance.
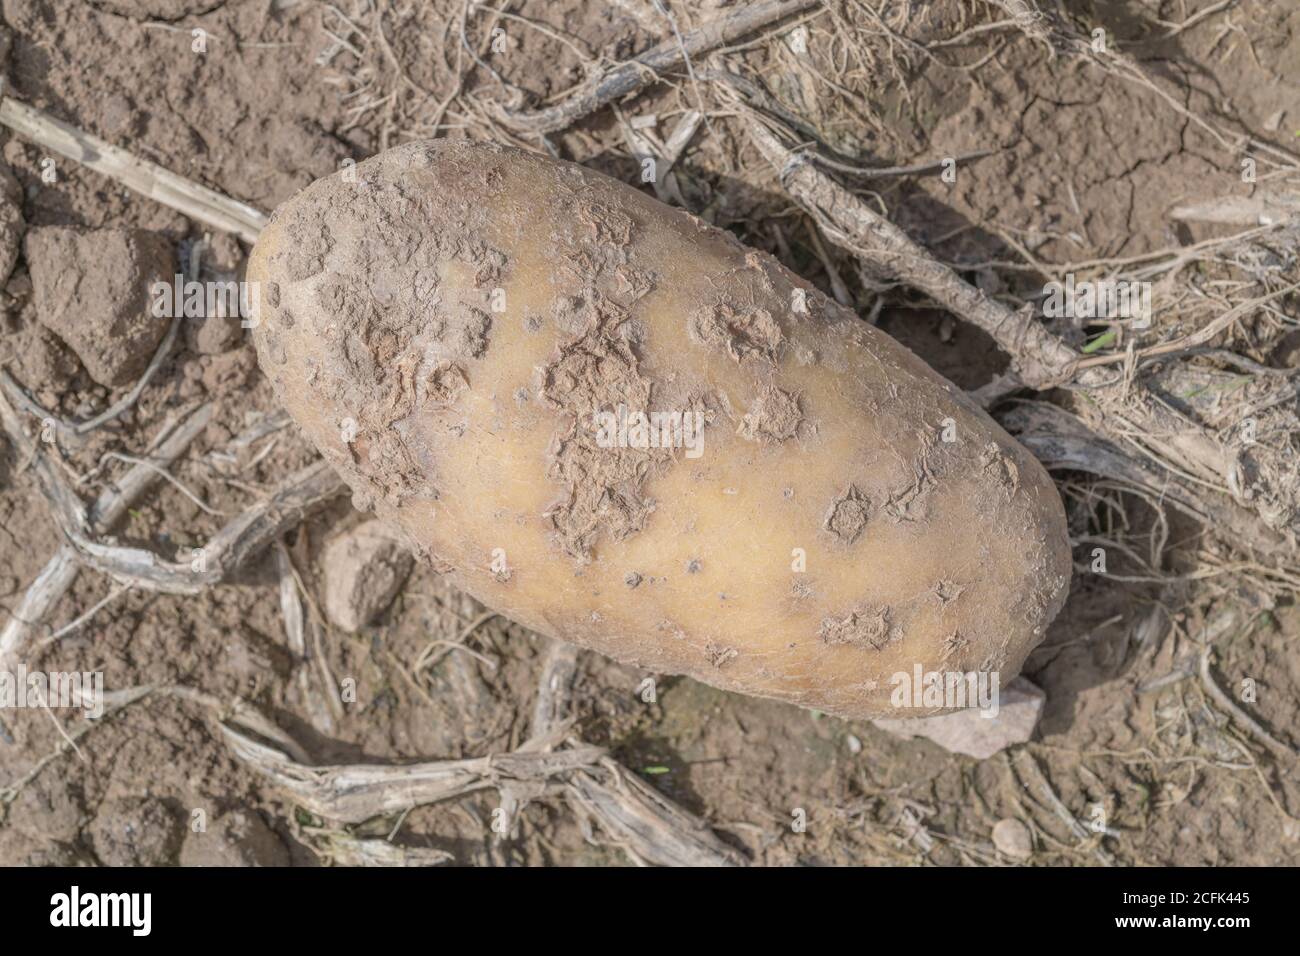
[[1101, 341]]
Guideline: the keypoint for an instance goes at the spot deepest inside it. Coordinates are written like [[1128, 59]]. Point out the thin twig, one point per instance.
[[645, 69], [176, 192]]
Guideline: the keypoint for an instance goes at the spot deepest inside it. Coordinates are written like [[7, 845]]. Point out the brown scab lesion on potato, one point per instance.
[[954, 643], [907, 501], [310, 241], [424, 286], [848, 515], [743, 331], [720, 655], [947, 591], [776, 416], [603, 487], [473, 335], [865, 627], [445, 383]]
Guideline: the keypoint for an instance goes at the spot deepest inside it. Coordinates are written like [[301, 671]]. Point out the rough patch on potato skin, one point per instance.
[[954, 644], [848, 515], [1001, 469], [719, 655], [603, 486], [868, 627], [393, 342], [744, 332], [774, 417], [598, 371], [906, 502], [946, 591]]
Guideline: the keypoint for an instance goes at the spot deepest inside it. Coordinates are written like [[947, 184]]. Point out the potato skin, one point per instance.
[[445, 322]]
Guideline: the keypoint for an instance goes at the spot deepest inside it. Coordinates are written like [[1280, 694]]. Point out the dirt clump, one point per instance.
[[363, 569], [136, 831], [236, 838], [93, 290]]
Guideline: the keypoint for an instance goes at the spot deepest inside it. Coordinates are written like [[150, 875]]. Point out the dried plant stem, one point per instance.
[[103, 515], [1031, 778], [351, 794], [1060, 37], [554, 688], [295, 632], [1237, 714], [176, 192], [239, 540], [650, 827], [1041, 360], [630, 77], [1061, 441]]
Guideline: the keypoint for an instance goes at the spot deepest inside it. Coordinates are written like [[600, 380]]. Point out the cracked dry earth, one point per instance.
[[1085, 166]]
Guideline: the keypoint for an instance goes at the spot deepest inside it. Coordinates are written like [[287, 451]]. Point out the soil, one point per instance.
[[1085, 166]]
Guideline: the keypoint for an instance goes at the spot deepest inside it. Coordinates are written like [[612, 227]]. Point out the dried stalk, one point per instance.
[[1240, 716], [649, 826], [343, 849], [234, 545], [354, 793], [176, 192], [1061, 441], [1040, 359], [295, 633], [75, 431], [645, 69], [554, 689], [103, 515], [1031, 778], [646, 823]]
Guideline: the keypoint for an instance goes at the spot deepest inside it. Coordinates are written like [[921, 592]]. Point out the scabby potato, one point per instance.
[[620, 427]]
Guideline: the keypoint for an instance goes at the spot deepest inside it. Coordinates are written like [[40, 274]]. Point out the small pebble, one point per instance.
[[1012, 838]]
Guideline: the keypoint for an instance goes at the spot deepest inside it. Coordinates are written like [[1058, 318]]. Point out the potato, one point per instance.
[[456, 327]]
